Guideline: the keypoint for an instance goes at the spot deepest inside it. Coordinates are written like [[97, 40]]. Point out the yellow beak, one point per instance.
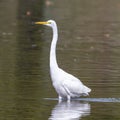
[[42, 23]]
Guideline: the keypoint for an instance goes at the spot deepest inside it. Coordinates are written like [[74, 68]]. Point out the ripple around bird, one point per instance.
[[91, 99]]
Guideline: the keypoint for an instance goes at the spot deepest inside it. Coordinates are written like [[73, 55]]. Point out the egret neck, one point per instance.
[[53, 61]]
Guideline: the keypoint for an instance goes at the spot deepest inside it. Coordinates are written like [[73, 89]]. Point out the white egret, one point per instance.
[[65, 84]]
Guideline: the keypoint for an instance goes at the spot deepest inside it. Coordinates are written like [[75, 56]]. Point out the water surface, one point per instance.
[[88, 47]]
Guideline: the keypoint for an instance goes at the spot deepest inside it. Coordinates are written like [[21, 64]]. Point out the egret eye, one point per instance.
[[49, 22]]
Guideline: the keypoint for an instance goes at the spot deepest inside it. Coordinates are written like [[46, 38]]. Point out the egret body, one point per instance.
[[65, 84]]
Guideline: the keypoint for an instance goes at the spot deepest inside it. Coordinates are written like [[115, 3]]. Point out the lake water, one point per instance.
[[88, 47]]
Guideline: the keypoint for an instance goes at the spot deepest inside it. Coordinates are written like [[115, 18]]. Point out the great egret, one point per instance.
[[65, 84]]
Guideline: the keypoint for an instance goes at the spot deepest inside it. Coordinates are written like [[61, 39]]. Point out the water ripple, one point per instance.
[[91, 99]]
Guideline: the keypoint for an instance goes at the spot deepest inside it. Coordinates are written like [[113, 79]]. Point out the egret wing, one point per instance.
[[74, 86]]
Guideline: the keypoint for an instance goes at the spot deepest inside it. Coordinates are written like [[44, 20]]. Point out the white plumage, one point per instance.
[[65, 84]]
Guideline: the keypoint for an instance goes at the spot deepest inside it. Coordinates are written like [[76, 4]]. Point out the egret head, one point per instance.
[[49, 23]]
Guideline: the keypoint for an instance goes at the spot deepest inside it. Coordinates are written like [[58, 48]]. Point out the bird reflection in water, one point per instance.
[[69, 111]]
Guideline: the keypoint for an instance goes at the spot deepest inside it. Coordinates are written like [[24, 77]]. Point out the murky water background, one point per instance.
[[88, 47]]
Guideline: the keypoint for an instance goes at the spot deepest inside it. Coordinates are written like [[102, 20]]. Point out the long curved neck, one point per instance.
[[53, 61]]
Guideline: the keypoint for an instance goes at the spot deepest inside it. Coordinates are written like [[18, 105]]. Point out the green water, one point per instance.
[[88, 47]]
